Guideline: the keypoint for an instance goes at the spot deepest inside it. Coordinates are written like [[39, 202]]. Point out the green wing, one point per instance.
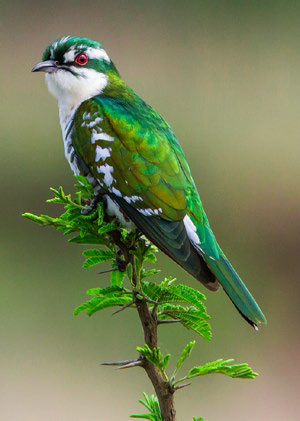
[[145, 168]]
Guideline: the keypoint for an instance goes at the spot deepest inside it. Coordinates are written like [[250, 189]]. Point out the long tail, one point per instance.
[[236, 290], [207, 264]]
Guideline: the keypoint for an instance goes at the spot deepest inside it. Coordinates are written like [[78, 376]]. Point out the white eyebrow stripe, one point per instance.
[[92, 53], [97, 53]]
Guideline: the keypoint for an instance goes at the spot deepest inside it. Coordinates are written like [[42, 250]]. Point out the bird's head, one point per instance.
[[76, 69]]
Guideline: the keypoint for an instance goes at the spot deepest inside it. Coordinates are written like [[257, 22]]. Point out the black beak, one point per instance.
[[48, 66]]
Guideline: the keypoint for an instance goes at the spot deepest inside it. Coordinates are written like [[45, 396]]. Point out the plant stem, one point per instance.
[[163, 389]]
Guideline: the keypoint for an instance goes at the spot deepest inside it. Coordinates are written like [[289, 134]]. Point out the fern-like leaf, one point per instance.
[[96, 256], [184, 355], [151, 403], [155, 356], [117, 278], [241, 371], [167, 292], [189, 317], [100, 303], [108, 291]]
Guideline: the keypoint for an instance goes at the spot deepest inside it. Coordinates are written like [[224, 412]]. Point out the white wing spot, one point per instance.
[[116, 191], [94, 123], [102, 153], [114, 209], [86, 116], [107, 170], [101, 136], [191, 229], [149, 211], [132, 199]]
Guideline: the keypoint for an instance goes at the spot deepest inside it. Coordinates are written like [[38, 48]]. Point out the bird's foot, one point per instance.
[[92, 206], [120, 262]]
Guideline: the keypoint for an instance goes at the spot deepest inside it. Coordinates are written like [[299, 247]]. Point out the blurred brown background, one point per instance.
[[226, 76]]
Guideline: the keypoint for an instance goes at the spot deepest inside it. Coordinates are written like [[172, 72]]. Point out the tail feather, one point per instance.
[[236, 290], [207, 264]]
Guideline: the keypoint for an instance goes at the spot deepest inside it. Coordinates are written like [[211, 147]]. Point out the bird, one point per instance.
[[134, 162]]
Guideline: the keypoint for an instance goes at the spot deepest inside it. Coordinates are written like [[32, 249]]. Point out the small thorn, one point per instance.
[[107, 271], [151, 301], [121, 363], [164, 322], [93, 204], [124, 307], [136, 363], [182, 386]]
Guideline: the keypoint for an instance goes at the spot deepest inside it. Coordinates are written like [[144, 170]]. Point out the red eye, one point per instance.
[[81, 59]]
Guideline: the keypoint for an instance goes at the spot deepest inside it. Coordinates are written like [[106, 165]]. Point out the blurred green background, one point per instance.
[[226, 76]]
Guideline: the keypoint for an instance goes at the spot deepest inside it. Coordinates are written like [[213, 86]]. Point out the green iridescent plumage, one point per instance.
[[121, 144]]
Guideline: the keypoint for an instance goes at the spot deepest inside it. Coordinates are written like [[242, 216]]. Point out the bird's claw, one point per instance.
[[92, 206]]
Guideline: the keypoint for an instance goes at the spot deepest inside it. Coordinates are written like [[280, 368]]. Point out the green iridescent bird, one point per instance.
[[131, 156]]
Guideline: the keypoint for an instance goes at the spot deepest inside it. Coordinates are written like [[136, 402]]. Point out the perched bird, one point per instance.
[[132, 158]]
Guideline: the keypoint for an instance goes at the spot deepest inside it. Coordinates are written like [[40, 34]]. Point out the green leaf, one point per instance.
[[87, 239], [34, 218], [79, 197], [89, 216], [184, 355], [124, 233], [55, 200], [100, 303], [151, 403], [107, 228], [100, 213], [146, 273], [84, 186], [96, 256], [155, 356], [117, 278], [165, 361], [99, 253], [189, 317], [242, 371], [83, 232], [167, 292], [112, 291], [150, 256]]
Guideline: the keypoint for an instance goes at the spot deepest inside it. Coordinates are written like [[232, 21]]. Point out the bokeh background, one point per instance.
[[226, 76]]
